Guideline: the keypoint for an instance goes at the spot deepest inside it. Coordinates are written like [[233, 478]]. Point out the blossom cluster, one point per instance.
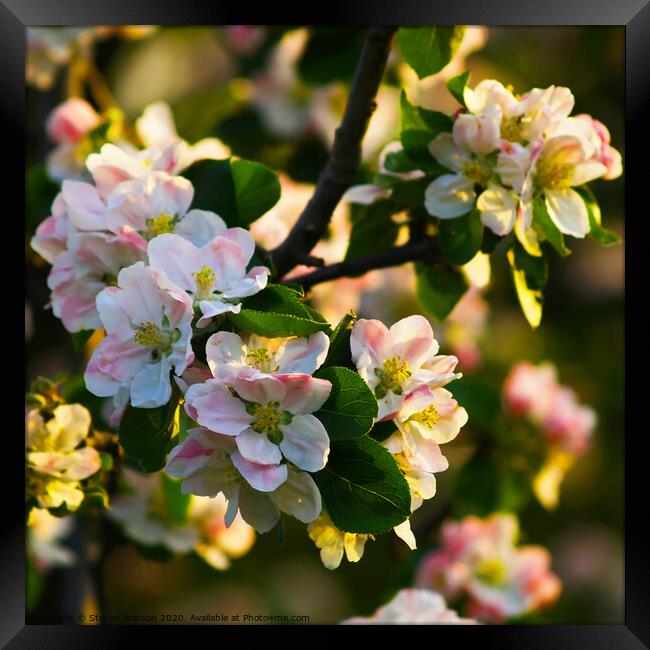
[[58, 457], [535, 393], [479, 561], [516, 148], [145, 519]]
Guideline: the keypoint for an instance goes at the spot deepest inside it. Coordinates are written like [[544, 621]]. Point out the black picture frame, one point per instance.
[[15, 15]]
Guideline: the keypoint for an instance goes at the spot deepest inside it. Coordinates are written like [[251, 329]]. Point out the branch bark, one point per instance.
[[341, 168], [425, 248]]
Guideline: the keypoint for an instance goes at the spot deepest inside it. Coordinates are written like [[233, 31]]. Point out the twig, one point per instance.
[[341, 168], [425, 248]]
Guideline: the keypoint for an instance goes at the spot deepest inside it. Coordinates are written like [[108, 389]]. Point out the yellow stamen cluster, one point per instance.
[[491, 572], [204, 278], [261, 359], [428, 416], [266, 417], [149, 334], [161, 224], [394, 372], [475, 172], [552, 176], [511, 129]]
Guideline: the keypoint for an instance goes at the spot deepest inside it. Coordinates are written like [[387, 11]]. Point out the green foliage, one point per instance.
[[373, 229], [238, 190], [278, 311], [362, 487], [429, 49], [331, 54], [543, 223], [382, 430], [456, 86], [146, 434], [176, 502], [79, 339], [439, 288], [603, 236], [481, 401], [351, 408], [398, 162], [418, 127], [529, 275], [339, 351], [461, 238]]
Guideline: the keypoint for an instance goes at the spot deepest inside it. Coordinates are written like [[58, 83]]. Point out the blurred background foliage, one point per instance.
[[269, 110]]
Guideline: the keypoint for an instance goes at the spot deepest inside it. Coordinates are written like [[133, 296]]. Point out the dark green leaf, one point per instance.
[[461, 238], [544, 224], [603, 236], [411, 193], [339, 350], [373, 231], [382, 430], [429, 49], [490, 241], [418, 127], [439, 288], [398, 162], [176, 502], [273, 325], [331, 54], [362, 487], [146, 434], [257, 189], [351, 408], [456, 86]]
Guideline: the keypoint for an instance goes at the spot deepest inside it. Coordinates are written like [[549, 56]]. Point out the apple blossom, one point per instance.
[[396, 361], [148, 323], [209, 464], [44, 535], [214, 274], [410, 606], [56, 462], [334, 543], [528, 389], [52, 233], [270, 419], [230, 355], [479, 559]]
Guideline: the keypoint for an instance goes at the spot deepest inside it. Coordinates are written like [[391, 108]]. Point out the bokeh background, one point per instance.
[[271, 95]]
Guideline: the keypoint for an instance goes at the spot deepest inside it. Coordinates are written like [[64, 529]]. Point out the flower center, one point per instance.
[[148, 334], [475, 172], [393, 372], [512, 129], [551, 176], [268, 417], [160, 225], [205, 279], [428, 416], [261, 359], [492, 572]]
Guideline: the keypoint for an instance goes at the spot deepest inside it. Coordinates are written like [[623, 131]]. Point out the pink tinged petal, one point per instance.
[[305, 443], [498, 208], [260, 390], [412, 340], [366, 194], [370, 335], [415, 402], [299, 497], [172, 157], [587, 171], [253, 282], [112, 166], [389, 406], [176, 257], [84, 207], [264, 478], [568, 212], [424, 454], [155, 126], [207, 481], [449, 196], [83, 463], [71, 120], [212, 406], [302, 355], [50, 238], [200, 227], [479, 134], [151, 386], [211, 308], [226, 259], [243, 239], [224, 351], [258, 510], [169, 194], [257, 448], [303, 393], [192, 454]]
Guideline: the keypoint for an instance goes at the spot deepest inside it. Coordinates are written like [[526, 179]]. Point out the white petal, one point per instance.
[[568, 212], [305, 442], [498, 208], [449, 196]]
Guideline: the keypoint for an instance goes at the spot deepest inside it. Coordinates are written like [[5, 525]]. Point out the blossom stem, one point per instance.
[[423, 249], [341, 168]]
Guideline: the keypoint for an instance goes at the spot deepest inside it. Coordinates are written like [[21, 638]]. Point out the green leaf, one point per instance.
[[398, 162], [373, 231], [146, 434], [429, 49], [362, 487], [331, 54], [490, 241], [418, 127], [339, 351], [273, 325], [439, 288], [456, 86], [461, 238], [411, 192], [238, 190], [351, 408], [484, 486], [278, 298], [542, 220], [529, 275], [79, 339], [176, 502], [602, 235], [382, 430]]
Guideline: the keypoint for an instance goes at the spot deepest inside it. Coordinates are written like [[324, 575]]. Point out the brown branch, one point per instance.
[[424, 248], [341, 168]]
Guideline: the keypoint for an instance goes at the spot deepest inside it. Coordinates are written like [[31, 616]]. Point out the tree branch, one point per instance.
[[341, 168], [425, 248]]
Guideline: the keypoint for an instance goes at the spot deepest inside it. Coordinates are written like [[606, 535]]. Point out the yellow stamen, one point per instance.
[[261, 359], [492, 572], [161, 224], [552, 176], [428, 417], [475, 172], [204, 278], [394, 372], [149, 334], [266, 417]]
